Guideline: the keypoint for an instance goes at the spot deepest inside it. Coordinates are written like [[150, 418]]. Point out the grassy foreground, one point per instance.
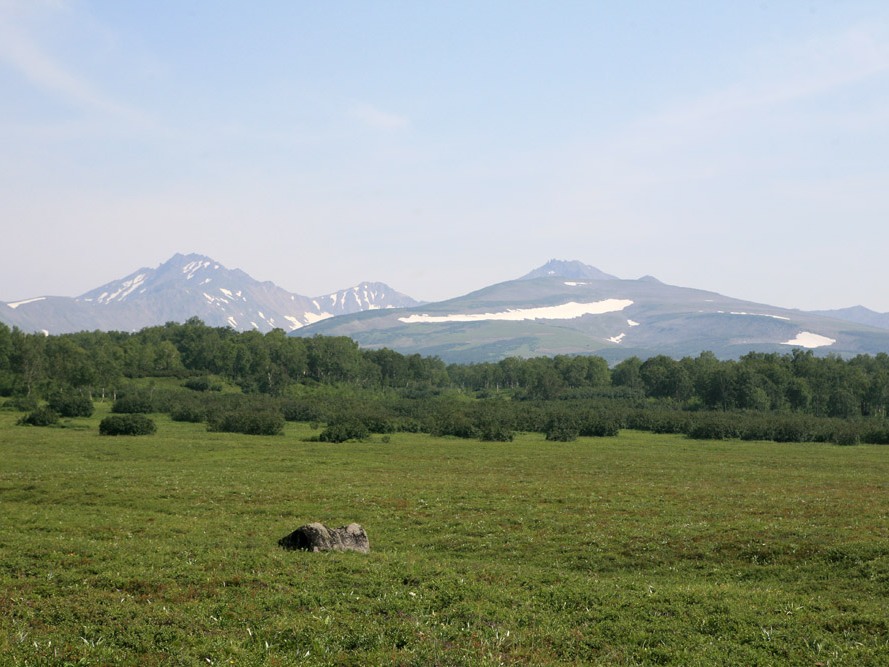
[[640, 549]]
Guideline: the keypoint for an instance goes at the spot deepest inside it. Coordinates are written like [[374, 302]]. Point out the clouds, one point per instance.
[[21, 52]]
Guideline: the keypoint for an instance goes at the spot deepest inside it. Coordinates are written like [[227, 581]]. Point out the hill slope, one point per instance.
[[545, 313]]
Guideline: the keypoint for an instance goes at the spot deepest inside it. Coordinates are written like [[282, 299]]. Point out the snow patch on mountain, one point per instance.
[[311, 318], [193, 267], [16, 304], [810, 340], [566, 311], [127, 287], [776, 317]]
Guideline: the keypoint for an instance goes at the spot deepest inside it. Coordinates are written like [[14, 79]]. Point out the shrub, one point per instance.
[[71, 405], [300, 410], [133, 403], [408, 425], [248, 423], [790, 429], [40, 417], [202, 384], [561, 429], [496, 432], [458, 425], [343, 431], [658, 421], [759, 428], [846, 434], [127, 424], [188, 413], [876, 435], [714, 427], [598, 425]]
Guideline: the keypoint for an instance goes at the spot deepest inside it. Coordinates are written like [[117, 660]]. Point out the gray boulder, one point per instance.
[[318, 537]]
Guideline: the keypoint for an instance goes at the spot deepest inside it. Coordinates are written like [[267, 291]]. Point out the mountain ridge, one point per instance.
[[544, 314], [562, 307], [193, 285]]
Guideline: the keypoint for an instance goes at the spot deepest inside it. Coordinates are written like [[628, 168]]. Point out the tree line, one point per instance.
[[354, 391], [98, 363]]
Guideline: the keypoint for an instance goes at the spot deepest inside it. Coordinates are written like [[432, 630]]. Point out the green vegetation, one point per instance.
[[44, 416], [129, 424], [529, 511], [635, 549], [194, 369]]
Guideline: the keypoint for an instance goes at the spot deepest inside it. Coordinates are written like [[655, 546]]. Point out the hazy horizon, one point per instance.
[[440, 148]]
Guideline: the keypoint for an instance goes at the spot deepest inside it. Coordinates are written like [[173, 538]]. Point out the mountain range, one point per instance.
[[563, 307], [571, 308], [193, 286]]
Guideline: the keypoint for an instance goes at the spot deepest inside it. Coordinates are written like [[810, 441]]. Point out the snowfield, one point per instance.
[[311, 318], [810, 340], [567, 311], [16, 304]]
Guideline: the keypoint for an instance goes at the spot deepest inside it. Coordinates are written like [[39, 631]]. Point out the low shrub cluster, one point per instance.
[[133, 403], [343, 431], [127, 424], [561, 429], [350, 414], [71, 405], [202, 384], [248, 423], [188, 412], [40, 417]]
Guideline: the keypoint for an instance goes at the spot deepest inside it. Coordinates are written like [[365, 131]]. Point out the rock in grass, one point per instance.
[[318, 537]]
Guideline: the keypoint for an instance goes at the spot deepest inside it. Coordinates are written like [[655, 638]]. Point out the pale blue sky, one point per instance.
[[440, 147]]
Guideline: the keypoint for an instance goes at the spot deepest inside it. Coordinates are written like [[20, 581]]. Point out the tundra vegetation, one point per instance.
[[539, 511]]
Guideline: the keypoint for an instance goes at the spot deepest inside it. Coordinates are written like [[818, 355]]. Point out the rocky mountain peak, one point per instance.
[[570, 269]]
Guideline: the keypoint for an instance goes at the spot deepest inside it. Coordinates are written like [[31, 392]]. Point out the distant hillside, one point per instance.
[[859, 315], [556, 310]]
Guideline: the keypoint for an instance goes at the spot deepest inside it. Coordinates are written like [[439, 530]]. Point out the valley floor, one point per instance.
[[637, 549]]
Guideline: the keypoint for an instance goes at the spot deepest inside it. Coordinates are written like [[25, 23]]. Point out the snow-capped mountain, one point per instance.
[[365, 296], [571, 308], [193, 286], [560, 308]]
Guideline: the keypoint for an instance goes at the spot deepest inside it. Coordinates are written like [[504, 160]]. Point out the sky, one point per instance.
[[439, 147]]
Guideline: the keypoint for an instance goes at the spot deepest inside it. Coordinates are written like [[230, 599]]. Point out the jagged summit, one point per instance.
[[571, 269]]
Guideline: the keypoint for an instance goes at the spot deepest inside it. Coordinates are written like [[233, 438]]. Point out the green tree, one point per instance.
[[28, 360], [626, 374]]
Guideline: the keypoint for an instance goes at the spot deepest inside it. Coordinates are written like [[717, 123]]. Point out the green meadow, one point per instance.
[[639, 549]]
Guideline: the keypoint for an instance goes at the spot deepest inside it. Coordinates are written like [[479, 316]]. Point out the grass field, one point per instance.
[[639, 549]]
